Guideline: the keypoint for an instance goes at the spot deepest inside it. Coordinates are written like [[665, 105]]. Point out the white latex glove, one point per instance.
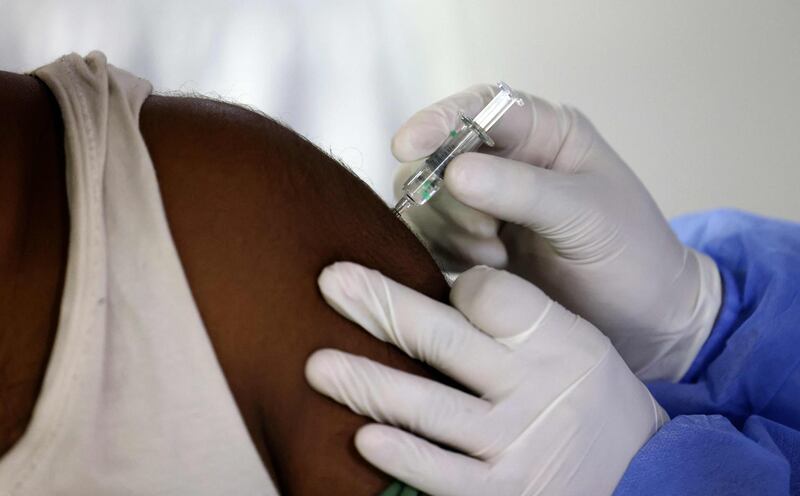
[[555, 410], [556, 205]]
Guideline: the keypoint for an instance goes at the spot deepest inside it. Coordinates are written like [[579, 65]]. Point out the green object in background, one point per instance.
[[399, 489]]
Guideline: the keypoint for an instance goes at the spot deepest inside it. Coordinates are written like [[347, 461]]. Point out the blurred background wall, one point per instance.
[[700, 97]]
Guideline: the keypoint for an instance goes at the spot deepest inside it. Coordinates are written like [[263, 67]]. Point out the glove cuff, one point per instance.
[[689, 336], [709, 302]]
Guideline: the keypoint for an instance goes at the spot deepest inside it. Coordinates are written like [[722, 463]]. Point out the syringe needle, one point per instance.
[[403, 204]]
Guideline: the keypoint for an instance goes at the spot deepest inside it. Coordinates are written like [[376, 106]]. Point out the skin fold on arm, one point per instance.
[[256, 212]]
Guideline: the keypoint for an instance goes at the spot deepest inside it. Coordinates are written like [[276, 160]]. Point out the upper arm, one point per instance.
[[256, 212]]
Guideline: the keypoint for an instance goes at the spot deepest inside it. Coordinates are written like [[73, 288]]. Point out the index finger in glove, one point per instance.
[[423, 328], [424, 131], [539, 133], [472, 221], [426, 407]]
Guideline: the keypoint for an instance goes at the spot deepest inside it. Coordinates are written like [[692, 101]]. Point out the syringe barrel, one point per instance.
[[427, 180]]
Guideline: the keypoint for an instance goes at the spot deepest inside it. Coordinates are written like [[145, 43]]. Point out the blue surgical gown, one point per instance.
[[735, 427]]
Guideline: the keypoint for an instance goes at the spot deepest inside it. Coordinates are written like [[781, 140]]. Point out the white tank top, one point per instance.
[[134, 400]]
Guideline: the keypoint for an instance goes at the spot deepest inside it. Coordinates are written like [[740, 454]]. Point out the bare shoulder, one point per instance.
[[256, 212], [247, 181]]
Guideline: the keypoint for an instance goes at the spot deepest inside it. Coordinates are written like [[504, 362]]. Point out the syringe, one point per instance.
[[427, 180]]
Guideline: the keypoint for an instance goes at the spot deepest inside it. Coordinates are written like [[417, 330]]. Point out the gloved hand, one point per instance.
[[553, 408], [554, 203]]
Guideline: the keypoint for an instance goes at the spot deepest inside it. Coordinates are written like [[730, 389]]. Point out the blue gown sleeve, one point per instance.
[[735, 425]]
